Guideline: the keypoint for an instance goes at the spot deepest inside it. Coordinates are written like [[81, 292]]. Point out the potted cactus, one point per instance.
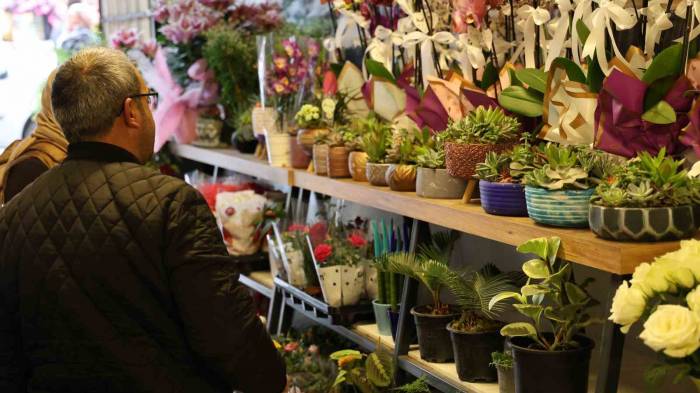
[[649, 198], [561, 183], [500, 186], [468, 140], [432, 179], [376, 141], [557, 312], [427, 266]]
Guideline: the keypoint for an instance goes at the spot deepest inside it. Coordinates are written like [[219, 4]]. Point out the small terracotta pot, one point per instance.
[[320, 156], [300, 158], [461, 159], [357, 164], [307, 136], [401, 177], [338, 161], [376, 174]]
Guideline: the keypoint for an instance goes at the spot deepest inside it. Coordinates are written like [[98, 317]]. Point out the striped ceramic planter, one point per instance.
[[567, 208], [503, 199], [649, 224]]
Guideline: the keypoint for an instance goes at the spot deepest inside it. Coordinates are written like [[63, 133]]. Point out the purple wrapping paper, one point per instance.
[[691, 133], [479, 98], [619, 128], [430, 112]]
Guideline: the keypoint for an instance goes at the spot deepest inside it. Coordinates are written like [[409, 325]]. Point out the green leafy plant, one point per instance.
[[388, 285], [430, 157], [489, 126], [428, 266], [496, 168], [244, 126], [404, 143], [557, 308], [376, 139], [502, 360], [565, 168], [648, 181]]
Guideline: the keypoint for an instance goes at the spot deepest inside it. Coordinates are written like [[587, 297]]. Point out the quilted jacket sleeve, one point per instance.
[[11, 365], [217, 312]]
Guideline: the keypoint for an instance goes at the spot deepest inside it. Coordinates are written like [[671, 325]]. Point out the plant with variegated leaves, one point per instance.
[[557, 307]]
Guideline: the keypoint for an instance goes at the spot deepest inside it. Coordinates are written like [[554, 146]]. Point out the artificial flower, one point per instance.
[[318, 232], [627, 306], [328, 106], [673, 329], [357, 240], [322, 252]]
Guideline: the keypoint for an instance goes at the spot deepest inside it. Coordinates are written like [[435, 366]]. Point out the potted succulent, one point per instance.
[[468, 140], [650, 198], [243, 138], [320, 152], [376, 141], [500, 188], [475, 335], [561, 183], [556, 359], [503, 362], [357, 159], [307, 118], [401, 174], [432, 179], [209, 125], [426, 266]]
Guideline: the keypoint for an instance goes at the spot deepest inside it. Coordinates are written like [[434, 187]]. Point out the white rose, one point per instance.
[[654, 278], [627, 306], [693, 300], [682, 276], [687, 256], [674, 329]]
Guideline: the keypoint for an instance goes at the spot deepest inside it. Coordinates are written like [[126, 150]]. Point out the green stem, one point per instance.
[[393, 291], [381, 287]]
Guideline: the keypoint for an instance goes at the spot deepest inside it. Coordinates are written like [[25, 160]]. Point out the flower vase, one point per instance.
[[278, 148], [341, 285], [294, 266]]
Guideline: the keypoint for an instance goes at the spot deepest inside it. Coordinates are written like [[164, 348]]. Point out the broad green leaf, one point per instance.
[[340, 378], [537, 246], [536, 268], [489, 77], [661, 113], [536, 79], [503, 296], [345, 352], [666, 63], [561, 274], [562, 314], [376, 68], [575, 294], [379, 369], [519, 100], [595, 76], [657, 91], [582, 30], [573, 71], [532, 311], [537, 299], [553, 244], [513, 78], [534, 289], [517, 329]]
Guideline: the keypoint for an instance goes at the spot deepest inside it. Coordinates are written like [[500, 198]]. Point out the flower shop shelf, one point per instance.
[[260, 281], [582, 246], [236, 161]]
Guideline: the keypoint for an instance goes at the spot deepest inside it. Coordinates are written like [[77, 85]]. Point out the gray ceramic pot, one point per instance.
[[437, 183], [649, 224], [376, 174]]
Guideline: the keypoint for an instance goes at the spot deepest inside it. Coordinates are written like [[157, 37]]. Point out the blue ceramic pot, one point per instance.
[[503, 199], [567, 208]]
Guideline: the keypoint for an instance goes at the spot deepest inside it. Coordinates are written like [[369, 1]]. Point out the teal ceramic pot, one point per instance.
[[649, 224], [567, 208], [382, 318]]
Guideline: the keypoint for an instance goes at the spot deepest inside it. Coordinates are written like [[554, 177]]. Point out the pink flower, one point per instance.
[[314, 49], [466, 12], [149, 48], [280, 62], [322, 252], [291, 347], [124, 39]]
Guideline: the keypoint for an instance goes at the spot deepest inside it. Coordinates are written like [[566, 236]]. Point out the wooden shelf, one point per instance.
[[233, 160], [580, 245], [260, 282]]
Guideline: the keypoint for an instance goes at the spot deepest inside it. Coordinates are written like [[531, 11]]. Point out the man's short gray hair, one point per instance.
[[90, 89]]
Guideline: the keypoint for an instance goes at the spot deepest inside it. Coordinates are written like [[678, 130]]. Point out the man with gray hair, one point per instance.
[[113, 277]]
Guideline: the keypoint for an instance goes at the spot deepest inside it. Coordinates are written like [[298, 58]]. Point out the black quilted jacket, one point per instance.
[[114, 278]]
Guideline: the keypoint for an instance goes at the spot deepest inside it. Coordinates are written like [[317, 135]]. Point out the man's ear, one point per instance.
[[131, 113]]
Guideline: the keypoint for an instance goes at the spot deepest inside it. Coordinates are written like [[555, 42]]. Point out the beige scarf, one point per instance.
[[46, 143]]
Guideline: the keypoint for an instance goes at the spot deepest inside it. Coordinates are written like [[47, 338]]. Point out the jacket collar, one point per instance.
[[98, 151]]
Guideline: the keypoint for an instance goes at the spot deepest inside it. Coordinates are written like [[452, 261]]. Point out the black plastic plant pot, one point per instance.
[[472, 353], [433, 338], [247, 147], [540, 371], [410, 326], [505, 380]]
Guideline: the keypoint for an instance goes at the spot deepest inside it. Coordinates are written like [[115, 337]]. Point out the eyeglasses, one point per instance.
[[152, 96]]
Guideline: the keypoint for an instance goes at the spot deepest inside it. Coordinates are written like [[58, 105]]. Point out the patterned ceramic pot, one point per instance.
[[320, 157], [376, 174], [357, 164], [503, 199], [461, 158], [567, 208], [649, 224], [300, 158], [437, 183], [341, 285], [401, 177], [208, 132], [307, 137], [338, 161]]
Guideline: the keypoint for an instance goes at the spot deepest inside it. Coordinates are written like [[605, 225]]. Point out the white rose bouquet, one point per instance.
[[665, 297]]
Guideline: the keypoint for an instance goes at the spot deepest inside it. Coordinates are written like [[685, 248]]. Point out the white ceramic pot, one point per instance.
[[279, 151], [295, 266], [341, 285]]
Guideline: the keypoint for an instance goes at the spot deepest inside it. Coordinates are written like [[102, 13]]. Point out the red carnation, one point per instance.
[[357, 240], [291, 347], [322, 252]]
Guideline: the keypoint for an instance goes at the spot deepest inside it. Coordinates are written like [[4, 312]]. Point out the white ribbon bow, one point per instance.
[[601, 17], [426, 49], [348, 20], [558, 42], [581, 12], [658, 21], [532, 18], [380, 48]]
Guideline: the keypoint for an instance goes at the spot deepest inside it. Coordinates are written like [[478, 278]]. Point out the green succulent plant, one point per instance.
[[484, 125], [649, 181], [376, 139], [502, 359], [430, 157], [565, 168], [495, 168]]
